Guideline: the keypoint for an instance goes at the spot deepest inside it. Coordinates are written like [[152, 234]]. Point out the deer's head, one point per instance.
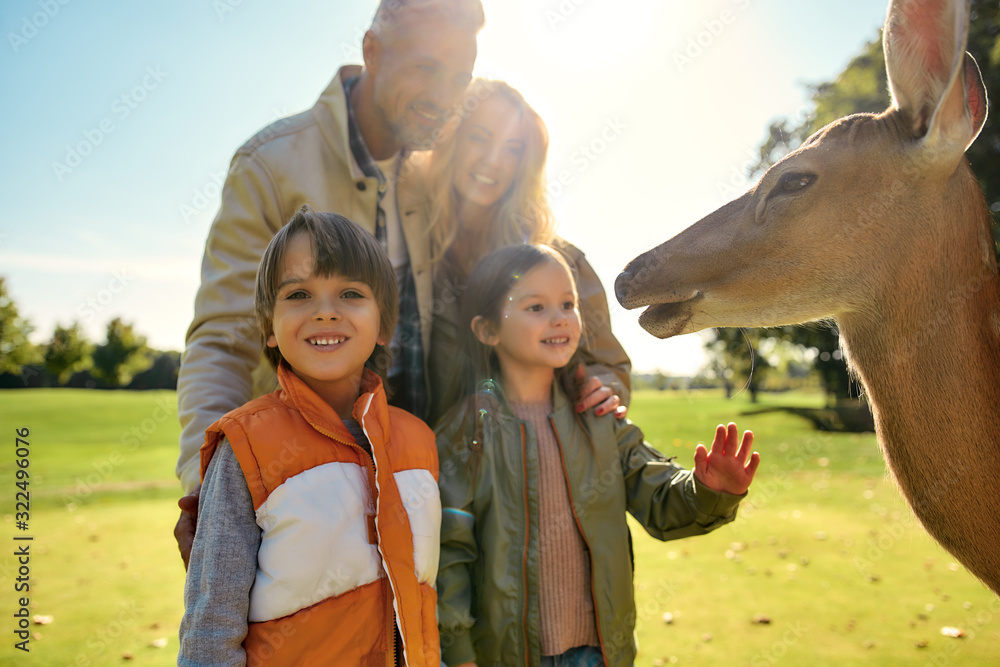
[[828, 227]]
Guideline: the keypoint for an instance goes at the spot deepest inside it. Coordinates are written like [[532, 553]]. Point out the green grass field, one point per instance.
[[824, 566]]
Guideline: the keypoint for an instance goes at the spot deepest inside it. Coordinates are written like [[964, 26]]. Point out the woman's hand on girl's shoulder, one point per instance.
[[595, 394], [726, 467]]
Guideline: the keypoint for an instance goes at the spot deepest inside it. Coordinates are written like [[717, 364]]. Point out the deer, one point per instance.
[[877, 223]]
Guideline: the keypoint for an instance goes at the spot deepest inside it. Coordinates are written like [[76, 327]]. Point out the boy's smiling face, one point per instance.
[[325, 327]]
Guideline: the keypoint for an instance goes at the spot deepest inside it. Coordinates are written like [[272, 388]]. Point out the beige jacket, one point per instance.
[[302, 159]]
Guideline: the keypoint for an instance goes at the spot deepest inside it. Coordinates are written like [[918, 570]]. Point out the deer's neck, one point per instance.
[[929, 357]]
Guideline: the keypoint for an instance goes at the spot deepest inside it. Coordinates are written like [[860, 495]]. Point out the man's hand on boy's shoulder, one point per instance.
[[187, 524], [729, 467]]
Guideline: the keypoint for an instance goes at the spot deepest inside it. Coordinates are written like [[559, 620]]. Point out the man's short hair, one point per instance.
[[394, 15]]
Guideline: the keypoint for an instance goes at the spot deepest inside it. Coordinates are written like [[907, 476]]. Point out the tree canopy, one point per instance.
[[122, 355], [68, 352], [16, 351]]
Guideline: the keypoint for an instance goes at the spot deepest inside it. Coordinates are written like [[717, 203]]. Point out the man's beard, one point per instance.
[[410, 135]]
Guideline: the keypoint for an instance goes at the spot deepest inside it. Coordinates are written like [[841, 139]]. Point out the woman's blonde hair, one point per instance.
[[523, 214]]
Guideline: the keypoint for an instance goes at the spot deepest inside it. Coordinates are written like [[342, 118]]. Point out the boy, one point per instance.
[[319, 523]]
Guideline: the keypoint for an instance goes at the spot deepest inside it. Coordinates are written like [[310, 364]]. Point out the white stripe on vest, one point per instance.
[[314, 543]]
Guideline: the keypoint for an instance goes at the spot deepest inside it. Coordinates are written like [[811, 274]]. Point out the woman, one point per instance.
[[486, 184]]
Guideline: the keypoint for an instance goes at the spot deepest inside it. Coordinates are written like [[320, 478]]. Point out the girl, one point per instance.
[[486, 183], [535, 558], [319, 518]]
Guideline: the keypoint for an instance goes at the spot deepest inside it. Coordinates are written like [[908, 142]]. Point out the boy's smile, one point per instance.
[[325, 327]]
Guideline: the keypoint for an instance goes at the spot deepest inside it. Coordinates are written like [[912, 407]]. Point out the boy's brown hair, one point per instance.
[[340, 248]]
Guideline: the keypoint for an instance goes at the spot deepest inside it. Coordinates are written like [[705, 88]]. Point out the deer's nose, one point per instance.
[[623, 283]]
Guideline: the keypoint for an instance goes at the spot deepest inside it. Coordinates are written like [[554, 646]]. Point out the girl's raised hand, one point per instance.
[[726, 468]]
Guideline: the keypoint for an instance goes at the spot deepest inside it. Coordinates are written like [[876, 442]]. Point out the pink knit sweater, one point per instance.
[[567, 608]]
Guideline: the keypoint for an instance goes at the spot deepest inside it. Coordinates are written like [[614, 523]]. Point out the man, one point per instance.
[[345, 154]]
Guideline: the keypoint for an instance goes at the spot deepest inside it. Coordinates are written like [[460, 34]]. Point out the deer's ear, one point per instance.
[[974, 96], [934, 82]]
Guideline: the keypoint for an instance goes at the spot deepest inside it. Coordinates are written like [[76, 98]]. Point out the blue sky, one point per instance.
[[120, 118]]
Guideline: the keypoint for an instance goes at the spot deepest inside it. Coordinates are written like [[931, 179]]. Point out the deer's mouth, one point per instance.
[[664, 320]]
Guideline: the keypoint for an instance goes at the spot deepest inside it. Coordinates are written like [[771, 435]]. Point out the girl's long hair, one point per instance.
[[523, 214], [472, 386]]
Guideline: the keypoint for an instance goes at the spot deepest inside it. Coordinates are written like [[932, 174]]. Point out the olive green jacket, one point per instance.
[[488, 608]]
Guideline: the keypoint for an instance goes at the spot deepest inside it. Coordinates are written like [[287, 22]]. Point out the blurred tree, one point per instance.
[[984, 154], [162, 373], [863, 87], [661, 381], [737, 353], [68, 352], [123, 355], [16, 351]]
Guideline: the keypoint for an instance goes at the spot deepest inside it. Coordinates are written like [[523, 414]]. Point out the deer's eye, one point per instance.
[[794, 182]]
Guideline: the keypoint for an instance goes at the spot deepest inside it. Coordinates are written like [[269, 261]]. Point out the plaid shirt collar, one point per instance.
[[369, 167], [408, 388]]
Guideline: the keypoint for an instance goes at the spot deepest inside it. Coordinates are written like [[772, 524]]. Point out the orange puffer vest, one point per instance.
[[349, 542]]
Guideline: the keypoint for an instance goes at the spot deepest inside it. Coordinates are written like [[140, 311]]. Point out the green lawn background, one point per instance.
[[824, 566]]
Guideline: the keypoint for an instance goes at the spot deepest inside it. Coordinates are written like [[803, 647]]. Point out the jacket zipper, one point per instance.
[[579, 527], [527, 539], [393, 620]]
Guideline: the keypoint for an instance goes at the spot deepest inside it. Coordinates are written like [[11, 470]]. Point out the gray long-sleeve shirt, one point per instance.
[[222, 569]]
